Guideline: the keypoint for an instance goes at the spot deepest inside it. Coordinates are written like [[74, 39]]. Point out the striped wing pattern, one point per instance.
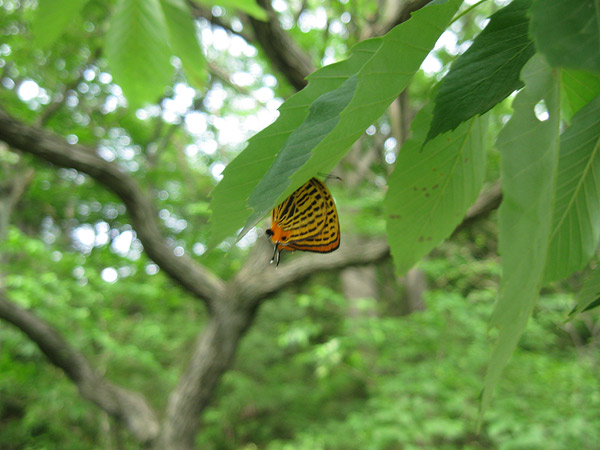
[[307, 220]]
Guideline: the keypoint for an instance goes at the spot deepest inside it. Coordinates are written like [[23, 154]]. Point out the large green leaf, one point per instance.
[[137, 50], [576, 222], [184, 40], [52, 18], [487, 72], [367, 83], [578, 88], [529, 150], [589, 295], [431, 189], [567, 32]]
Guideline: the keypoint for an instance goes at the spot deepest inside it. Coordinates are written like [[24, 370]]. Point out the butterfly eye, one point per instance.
[[269, 232]]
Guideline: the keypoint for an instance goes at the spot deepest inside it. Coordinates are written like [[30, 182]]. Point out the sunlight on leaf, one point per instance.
[[431, 188], [568, 32], [184, 40], [487, 72], [137, 50], [52, 18], [576, 221]]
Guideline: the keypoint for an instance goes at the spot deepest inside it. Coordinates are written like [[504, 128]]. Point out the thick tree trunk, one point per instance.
[[213, 355]]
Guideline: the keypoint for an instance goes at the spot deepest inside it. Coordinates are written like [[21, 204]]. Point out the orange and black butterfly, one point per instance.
[[307, 220]]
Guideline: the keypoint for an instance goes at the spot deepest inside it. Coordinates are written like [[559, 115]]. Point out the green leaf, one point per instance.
[[381, 67], [137, 50], [431, 188], [184, 40], [52, 18], [578, 88], [589, 295], [487, 72], [529, 153], [576, 221], [250, 7], [568, 32]]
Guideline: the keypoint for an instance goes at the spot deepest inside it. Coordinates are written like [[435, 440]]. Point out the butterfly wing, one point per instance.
[[307, 220], [327, 239], [303, 214]]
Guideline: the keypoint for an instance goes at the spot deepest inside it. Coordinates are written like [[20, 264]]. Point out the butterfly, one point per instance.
[[307, 220]]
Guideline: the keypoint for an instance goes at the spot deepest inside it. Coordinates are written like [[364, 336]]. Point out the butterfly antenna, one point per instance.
[[275, 258]]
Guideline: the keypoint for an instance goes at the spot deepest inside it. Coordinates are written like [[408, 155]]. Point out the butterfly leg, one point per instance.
[[276, 256]]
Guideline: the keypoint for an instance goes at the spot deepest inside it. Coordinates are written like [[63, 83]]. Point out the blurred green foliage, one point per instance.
[[310, 374], [316, 371]]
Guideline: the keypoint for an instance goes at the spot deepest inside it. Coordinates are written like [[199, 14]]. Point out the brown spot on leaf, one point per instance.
[[435, 186], [395, 216]]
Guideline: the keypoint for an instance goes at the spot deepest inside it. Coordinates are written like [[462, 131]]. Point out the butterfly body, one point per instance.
[[307, 220]]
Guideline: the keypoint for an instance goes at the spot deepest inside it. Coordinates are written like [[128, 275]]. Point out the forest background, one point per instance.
[[126, 325]]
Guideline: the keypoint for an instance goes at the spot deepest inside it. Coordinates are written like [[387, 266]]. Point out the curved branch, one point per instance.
[[52, 148], [256, 281], [116, 401]]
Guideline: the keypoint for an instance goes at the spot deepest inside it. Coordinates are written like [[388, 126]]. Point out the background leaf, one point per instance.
[[184, 40], [381, 76], [589, 295], [578, 88], [567, 32], [51, 19], [137, 50], [431, 188], [487, 72], [529, 151], [576, 221]]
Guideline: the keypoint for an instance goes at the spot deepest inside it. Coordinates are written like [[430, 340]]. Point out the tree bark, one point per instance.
[[287, 57]]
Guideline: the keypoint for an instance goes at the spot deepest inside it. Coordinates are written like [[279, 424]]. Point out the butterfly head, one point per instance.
[[280, 239], [278, 236]]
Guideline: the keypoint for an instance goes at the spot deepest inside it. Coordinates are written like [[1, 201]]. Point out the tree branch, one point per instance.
[[52, 148], [255, 281], [488, 201], [213, 354], [116, 401], [287, 57], [258, 280]]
